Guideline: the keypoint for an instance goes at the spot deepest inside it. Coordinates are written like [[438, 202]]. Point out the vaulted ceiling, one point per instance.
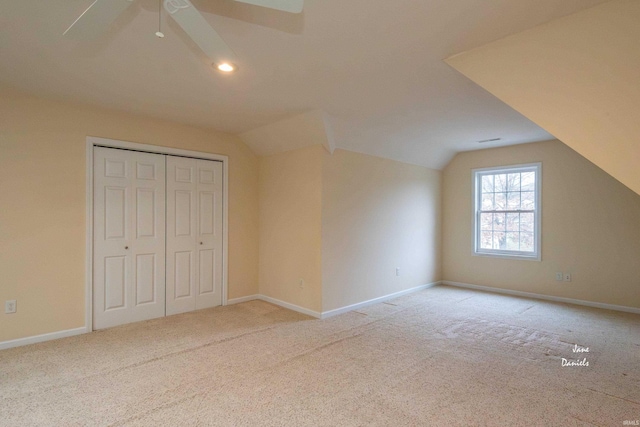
[[576, 76], [373, 70]]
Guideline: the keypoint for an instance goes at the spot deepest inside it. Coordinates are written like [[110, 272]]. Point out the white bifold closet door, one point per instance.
[[129, 237], [194, 234]]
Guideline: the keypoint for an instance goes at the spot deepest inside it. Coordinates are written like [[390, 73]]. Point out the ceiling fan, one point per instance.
[[101, 13]]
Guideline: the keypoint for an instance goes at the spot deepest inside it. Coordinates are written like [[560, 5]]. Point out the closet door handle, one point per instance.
[[126, 247], [200, 242]]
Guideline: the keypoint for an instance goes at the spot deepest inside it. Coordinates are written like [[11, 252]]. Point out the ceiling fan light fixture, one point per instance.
[[159, 33], [226, 67]]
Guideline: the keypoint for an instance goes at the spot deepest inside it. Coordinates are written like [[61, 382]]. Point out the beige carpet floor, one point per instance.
[[440, 357]]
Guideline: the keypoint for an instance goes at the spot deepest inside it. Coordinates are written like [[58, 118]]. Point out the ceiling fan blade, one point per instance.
[[196, 27], [97, 18], [292, 6]]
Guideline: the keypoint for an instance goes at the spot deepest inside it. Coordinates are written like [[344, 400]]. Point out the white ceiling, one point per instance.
[[373, 67]]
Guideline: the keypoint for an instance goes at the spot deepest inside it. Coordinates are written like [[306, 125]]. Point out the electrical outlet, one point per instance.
[[301, 283], [10, 306], [397, 271], [567, 277], [559, 276]]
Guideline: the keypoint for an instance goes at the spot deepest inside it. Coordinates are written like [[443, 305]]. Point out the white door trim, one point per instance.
[[112, 143]]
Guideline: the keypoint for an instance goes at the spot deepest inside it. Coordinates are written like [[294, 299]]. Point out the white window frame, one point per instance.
[[477, 174]]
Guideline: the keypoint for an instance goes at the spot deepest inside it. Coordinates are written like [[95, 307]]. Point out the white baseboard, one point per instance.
[[544, 297], [356, 306], [243, 299], [330, 313], [337, 311], [41, 338], [291, 306]]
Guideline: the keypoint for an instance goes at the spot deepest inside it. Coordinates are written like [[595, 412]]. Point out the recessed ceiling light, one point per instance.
[[489, 140], [226, 67]]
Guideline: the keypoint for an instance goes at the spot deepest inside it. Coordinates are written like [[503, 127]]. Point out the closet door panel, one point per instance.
[[209, 188], [206, 279], [148, 251], [182, 234], [146, 279], [157, 235], [115, 279], [129, 237]]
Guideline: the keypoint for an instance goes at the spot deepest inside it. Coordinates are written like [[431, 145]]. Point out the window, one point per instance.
[[507, 211]]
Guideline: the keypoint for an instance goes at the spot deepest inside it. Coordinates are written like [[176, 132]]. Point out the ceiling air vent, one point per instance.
[[489, 140]]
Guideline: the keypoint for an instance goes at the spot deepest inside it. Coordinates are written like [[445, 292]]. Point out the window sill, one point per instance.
[[516, 257]]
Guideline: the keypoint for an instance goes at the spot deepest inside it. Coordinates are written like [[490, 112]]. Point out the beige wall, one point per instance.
[[290, 227], [590, 228], [576, 77], [42, 197], [343, 223], [377, 214]]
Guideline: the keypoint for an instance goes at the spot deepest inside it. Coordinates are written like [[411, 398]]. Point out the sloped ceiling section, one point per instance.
[[303, 130], [576, 77]]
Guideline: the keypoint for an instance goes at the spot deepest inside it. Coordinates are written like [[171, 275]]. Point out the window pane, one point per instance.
[[513, 222], [526, 242], [487, 183], [528, 181], [513, 241], [513, 201], [526, 222], [498, 222], [486, 240], [528, 200], [487, 202], [500, 183], [513, 182], [499, 240], [486, 221], [501, 202]]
